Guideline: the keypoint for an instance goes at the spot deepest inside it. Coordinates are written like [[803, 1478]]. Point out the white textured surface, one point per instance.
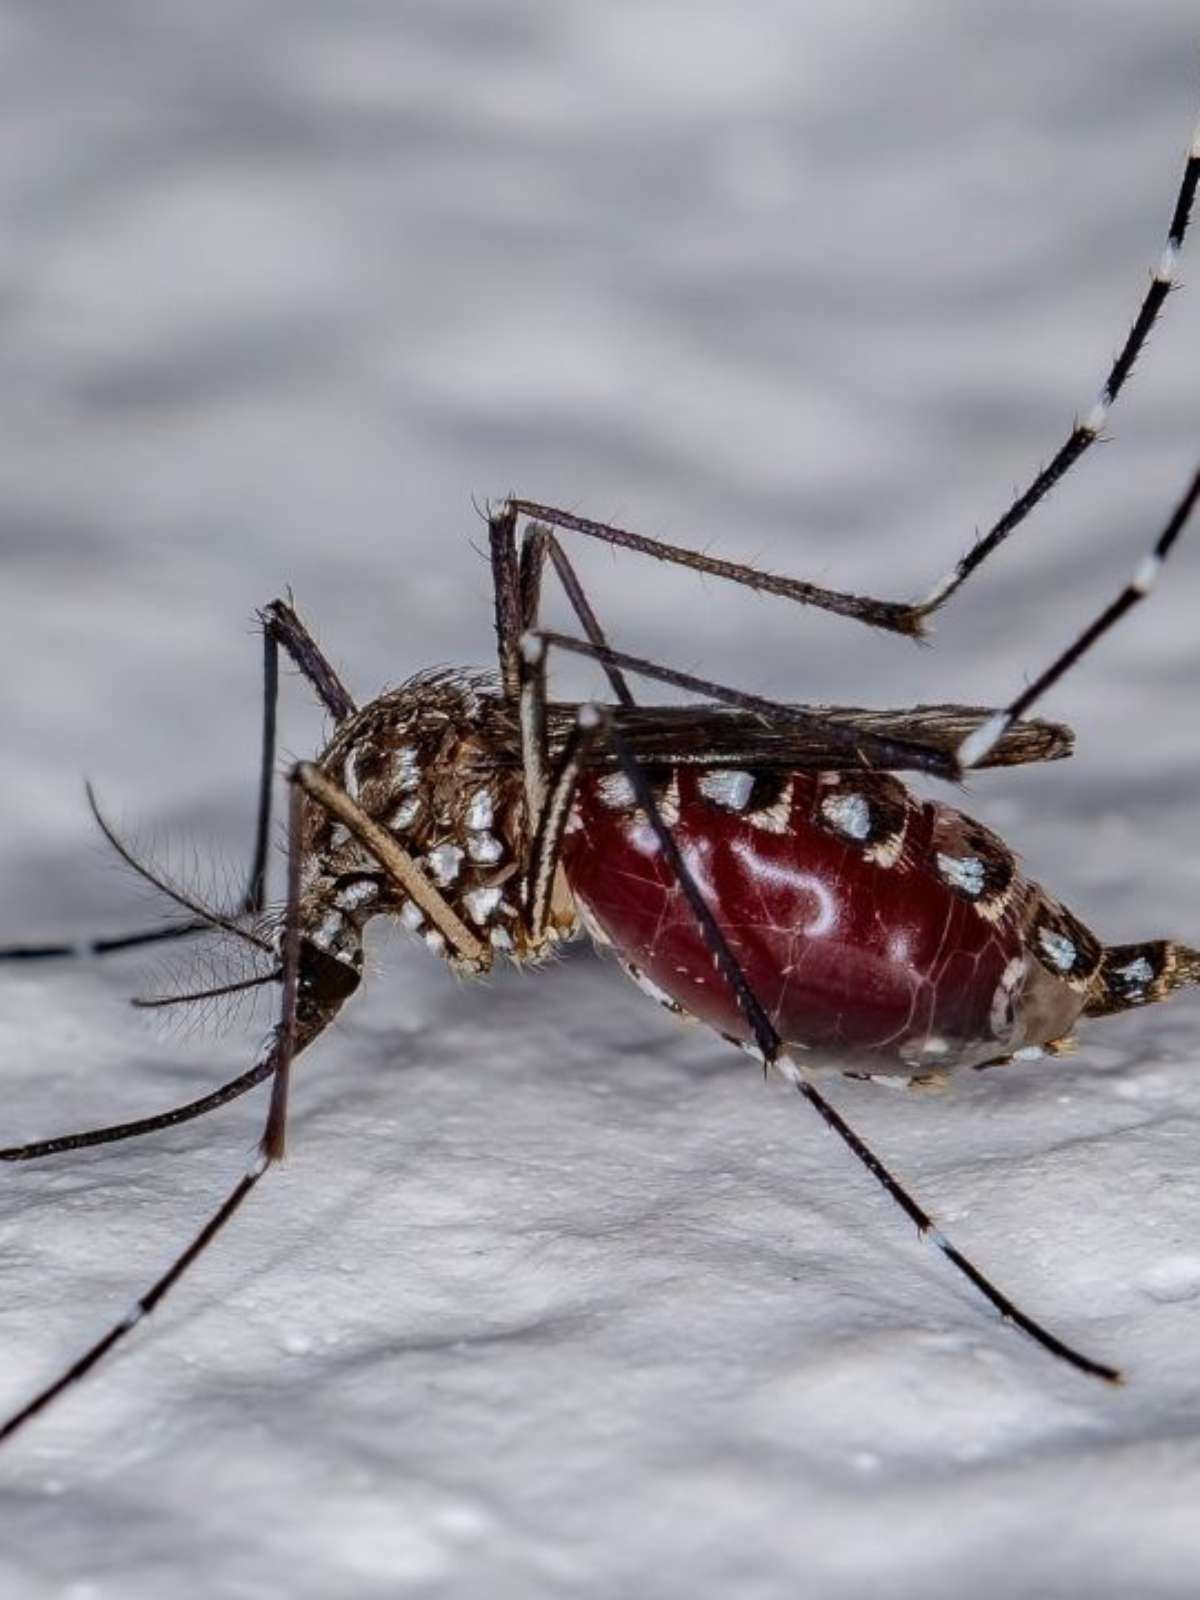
[[553, 1297]]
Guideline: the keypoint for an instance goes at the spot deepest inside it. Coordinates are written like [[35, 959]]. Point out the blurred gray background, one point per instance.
[[284, 289]]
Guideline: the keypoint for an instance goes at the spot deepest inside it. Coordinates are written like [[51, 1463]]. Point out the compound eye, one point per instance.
[[325, 980]]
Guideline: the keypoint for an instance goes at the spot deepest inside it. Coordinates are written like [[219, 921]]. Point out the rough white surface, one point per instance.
[[553, 1297]]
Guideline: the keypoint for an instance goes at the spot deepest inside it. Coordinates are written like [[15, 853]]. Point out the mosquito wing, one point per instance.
[[815, 736]]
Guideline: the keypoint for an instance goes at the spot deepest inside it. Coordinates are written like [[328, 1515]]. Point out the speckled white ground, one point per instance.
[[554, 1298]]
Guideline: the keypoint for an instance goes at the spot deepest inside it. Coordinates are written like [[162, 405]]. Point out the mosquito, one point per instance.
[[754, 865]]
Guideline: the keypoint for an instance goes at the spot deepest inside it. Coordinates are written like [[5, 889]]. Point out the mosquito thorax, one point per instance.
[[434, 762]]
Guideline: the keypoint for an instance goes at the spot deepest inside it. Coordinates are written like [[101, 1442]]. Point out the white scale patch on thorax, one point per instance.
[[406, 813], [356, 894], [330, 933], [481, 903], [484, 848], [481, 811], [444, 863], [408, 768]]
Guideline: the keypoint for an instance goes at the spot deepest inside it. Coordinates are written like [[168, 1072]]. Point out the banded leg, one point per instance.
[[910, 618], [518, 578], [548, 836], [551, 824], [281, 627], [1136, 974], [856, 745], [771, 1048], [314, 986], [983, 745], [1084, 434], [976, 747], [275, 1064], [549, 799], [550, 803]]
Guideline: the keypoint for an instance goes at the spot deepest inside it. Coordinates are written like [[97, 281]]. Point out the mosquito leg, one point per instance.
[[547, 844], [80, 1368], [771, 1048], [591, 626], [281, 626], [550, 806], [506, 593], [532, 562], [531, 663], [891, 753], [271, 1145], [910, 618], [255, 897], [552, 822], [134, 1130], [394, 859], [539, 543], [281, 623], [894, 616], [100, 947], [863, 746], [277, 1065], [977, 745], [531, 711], [550, 803], [1085, 433], [1036, 741]]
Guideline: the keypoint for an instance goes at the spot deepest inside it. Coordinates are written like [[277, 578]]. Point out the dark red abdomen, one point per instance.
[[879, 930]]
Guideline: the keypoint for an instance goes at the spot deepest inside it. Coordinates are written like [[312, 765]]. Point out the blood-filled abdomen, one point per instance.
[[878, 931]]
